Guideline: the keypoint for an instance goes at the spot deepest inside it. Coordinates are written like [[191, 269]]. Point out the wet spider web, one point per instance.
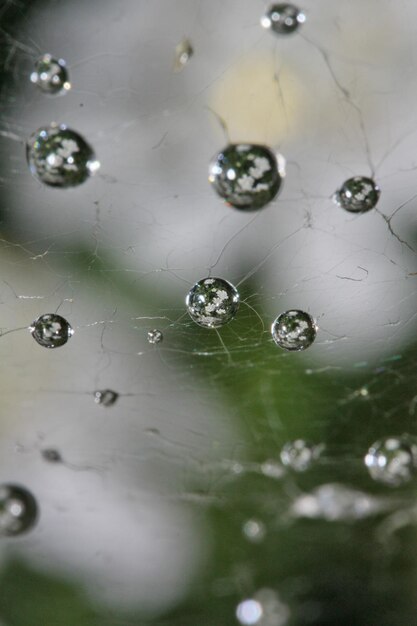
[[189, 452]]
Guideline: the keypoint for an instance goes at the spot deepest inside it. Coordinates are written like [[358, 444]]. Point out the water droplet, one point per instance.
[[264, 609], [51, 330], [183, 53], [254, 530], [393, 460], [106, 397], [51, 455], [212, 302], [18, 510], [51, 75], [272, 469], [358, 194], [155, 336], [300, 454], [60, 157], [294, 330], [283, 19], [246, 176]]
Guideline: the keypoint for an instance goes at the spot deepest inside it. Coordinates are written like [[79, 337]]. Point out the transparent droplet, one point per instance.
[[358, 194], [283, 19], [60, 157], [393, 460], [51, 455], [51, 330], [51, 75], [264, 609], [254, 530], [294, 330], [106, 397], [155, 336], [247, 176], [272, 469], [183, 53], [300, 454], [18, 510], [212, 302]]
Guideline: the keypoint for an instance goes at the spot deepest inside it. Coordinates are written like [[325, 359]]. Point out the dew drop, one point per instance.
[[294, 330], [247, 176], [283, 19], [60, 157], [299, 455], [51, 455], [51, 75], [358, 194], [393, 460], [264, 609], [183, 53], [254, 530], [105, 397], [51, 330], [212, 302], [155, 336], [18, 510]]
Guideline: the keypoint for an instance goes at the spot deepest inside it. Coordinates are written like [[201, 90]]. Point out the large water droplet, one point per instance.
[[264, 609], [51, 330], [294, 330], [105, 397], [283, 19], [212, 302], [60, 157], [246, 176], [393, 460], [358, 194], [300, 454], [18, 510], [155, 336], [51, 75]]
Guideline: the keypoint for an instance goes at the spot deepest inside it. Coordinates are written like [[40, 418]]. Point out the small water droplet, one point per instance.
[[183, 53], [254, 530], [245, 175], [106, 397], [283, 19], [393, 460], [51, 455], [51, 330], [358, 194], [60, 157], [294, 330], [212, 302], [300, 454], [18, 510], [264, 609], [51, 75], [272, 469], [155, 336]]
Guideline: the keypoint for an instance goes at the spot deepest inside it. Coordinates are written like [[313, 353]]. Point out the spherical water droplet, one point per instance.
[[283, 19], [294, 330], [183, 53], [51, 455], [18, 510], [264, 609], [246, 176], [51, 330], [393, 460], [106, 397], [254, 530], [51, 75], [155, 336], [212, 302], [300, 454], [60, 157], [358, 194], [272, 469]]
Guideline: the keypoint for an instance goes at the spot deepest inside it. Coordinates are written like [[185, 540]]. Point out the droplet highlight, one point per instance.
[[18, 510], [51, 330], [60, 157], [212, 302], [358, 194], [294, 330], [393, 461], [155, 336], [283, 19], [51, 75], [300, 455], [246, 176], [105, 397]]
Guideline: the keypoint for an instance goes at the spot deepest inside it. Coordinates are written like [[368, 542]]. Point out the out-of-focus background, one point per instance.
[[173, 506]]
